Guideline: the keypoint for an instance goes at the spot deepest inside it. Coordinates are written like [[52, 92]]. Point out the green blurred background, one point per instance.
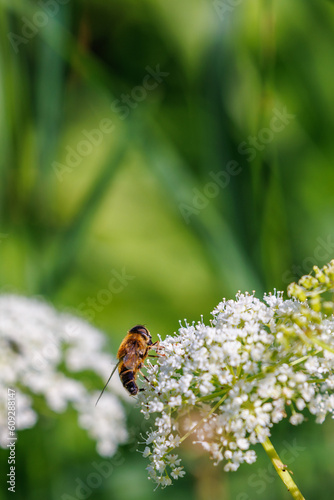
[[142, 201]]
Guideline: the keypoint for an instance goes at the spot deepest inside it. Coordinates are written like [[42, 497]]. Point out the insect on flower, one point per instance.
[[131, 356]]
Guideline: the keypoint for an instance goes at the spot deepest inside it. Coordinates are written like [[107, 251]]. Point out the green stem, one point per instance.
[[311, 340], [281, 470], [322, 344], [214, 395], [304, 358]]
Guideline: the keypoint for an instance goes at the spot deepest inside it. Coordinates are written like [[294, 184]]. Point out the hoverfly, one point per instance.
[[131, 355]]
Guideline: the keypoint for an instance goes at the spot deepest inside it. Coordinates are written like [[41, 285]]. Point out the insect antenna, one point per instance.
[[98, 399]]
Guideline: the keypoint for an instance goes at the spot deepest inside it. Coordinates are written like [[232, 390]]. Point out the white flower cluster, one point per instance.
[[39, 349], [227, 383]]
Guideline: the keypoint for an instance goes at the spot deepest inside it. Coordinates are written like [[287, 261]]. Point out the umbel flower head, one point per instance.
[[41, 350], [227, 383]]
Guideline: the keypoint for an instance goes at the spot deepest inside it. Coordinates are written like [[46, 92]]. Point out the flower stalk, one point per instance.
[[281, 470]]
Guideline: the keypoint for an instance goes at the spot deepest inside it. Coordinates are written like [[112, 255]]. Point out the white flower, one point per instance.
[[177, 472], [227, 384], [173, 459], [175, 401], [35, 340], [146, 452], [300, 403], [296, 419]]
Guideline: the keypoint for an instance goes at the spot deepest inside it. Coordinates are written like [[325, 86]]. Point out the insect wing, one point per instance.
[[134, 355], [131, 360]]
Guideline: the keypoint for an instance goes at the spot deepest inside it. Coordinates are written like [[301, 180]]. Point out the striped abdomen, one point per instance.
[[128, 379]]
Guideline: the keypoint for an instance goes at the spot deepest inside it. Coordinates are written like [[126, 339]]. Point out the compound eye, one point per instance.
[[147, 335], [139, 329]]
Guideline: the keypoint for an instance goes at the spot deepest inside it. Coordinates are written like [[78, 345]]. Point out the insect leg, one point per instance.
[[147, 380], [156, 347]]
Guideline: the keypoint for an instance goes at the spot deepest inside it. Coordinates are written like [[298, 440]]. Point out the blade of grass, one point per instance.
[[69, 243], [224, 252]]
